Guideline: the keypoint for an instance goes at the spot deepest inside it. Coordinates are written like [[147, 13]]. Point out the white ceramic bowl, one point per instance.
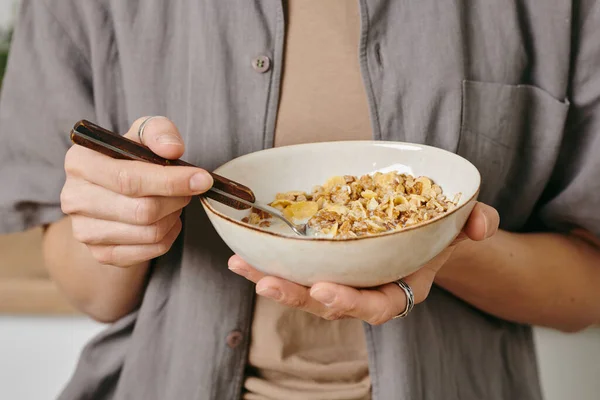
[[361, 262]]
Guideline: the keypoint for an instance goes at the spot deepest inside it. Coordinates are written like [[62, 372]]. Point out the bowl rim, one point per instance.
[[204, 200]]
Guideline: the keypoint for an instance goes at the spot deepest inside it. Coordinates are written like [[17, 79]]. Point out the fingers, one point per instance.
[[140, 179], [160, 135], [292, 295], [482, 223], [82, 198], [280, 290], [239, 266], [127, 255], [374, 306], [135, 178], [332, 301], [101, 232]]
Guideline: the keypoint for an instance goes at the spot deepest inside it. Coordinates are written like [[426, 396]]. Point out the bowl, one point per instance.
[[364, 261]]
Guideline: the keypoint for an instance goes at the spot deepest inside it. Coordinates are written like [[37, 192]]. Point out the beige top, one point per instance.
[[296, 355]]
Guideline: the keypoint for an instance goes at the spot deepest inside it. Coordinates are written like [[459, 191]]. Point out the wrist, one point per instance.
[[462, 258]]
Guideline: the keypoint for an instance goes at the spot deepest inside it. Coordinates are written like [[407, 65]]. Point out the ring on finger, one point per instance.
[[410, 298], [143, 126]]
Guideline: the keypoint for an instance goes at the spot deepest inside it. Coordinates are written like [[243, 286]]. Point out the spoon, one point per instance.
[[299, 229], [225, 191]]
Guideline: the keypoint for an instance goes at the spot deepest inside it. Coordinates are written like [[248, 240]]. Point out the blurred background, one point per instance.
[[41, 335]]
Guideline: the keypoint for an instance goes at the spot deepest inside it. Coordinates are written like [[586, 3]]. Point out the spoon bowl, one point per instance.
[[298, 229]]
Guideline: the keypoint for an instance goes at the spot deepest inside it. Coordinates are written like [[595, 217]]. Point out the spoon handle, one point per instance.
[[94, 137]]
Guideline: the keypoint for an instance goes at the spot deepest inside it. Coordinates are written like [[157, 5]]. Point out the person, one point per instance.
[[514, 87]]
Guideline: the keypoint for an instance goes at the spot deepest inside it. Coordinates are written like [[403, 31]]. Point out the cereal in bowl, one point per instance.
[[349, 206]]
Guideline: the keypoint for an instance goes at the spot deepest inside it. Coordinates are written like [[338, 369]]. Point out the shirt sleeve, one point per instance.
[[572, 199], [46, 89]]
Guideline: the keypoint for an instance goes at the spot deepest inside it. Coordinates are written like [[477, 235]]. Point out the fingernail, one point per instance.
[[271, 293], [485, 225], [324, 296], [239, 271], [169, 139], [201, 182]]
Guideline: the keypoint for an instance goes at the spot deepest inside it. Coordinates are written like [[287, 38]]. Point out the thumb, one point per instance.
[[482, 223], [160, 135]]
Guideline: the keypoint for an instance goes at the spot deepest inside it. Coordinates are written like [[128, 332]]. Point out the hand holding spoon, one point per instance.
[[225, 191]]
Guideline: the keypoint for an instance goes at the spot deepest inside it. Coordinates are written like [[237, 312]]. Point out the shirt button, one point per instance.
[[261, 64], [234, 339]]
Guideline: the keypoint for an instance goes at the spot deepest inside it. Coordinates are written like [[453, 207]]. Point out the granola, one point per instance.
[[349, 206]]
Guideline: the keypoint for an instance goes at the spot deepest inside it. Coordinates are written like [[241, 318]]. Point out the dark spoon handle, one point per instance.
[[94, 137]]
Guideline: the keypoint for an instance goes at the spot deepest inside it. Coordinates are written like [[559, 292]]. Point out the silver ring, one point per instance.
[[142, 127], [410, 298]]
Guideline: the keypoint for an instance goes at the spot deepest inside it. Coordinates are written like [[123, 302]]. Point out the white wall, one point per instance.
[[569, 364], [37, 356]]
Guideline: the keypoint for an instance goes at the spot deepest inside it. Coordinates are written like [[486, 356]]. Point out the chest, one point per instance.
[[486, 79]]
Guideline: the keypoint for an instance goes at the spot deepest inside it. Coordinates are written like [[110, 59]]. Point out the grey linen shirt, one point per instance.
[[514, 86]]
